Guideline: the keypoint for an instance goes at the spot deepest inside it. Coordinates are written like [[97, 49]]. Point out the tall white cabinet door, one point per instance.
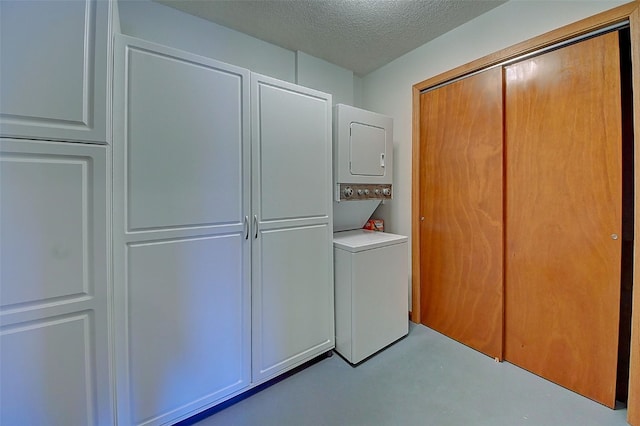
[[54, 70], [292, 253], [181, 232], [54, 310]]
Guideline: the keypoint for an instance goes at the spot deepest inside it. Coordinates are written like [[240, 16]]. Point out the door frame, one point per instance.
[[630, 12]]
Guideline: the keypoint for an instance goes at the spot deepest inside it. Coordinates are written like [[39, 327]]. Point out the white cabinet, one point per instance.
[[222, 230], [292, 250], [54, 69], [54, 341], [55, 203], [181, 236]]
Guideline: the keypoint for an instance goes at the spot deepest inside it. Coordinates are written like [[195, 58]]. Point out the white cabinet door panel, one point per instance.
[[183, 150], [293, 305], [54, 69], [187, 317], [292, 280], [181, 241], [38, 361], [44, 223], [55, 366], [291, 133]]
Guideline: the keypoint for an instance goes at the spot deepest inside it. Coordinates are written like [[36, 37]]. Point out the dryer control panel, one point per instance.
[[359, 191]]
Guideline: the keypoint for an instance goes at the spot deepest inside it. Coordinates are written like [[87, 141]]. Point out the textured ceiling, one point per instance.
[[360, 35]]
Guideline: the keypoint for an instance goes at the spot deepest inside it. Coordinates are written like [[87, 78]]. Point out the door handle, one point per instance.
[[246, 227], [255, 225]]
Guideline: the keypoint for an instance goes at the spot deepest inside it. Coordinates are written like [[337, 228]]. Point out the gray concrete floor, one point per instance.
[[424, 379]]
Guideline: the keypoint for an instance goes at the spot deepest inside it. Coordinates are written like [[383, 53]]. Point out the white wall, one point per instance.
[[357, 91], [388, 90], [324, 76]]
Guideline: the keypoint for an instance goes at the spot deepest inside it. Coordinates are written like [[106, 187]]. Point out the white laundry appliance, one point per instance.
[[370, 267]]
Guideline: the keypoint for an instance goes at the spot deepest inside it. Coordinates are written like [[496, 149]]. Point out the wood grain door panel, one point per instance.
[[563, 205], [461, 202]]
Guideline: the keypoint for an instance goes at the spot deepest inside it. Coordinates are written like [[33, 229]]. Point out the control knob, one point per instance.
[[348, 192], [377, 191], [366, 192], [360, 191], [386, 191]]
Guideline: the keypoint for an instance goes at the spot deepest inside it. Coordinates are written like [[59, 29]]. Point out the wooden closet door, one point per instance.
[[461, 205], [563, 216]]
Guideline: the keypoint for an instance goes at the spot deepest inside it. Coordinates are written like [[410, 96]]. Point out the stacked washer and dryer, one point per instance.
[[371, 267]]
